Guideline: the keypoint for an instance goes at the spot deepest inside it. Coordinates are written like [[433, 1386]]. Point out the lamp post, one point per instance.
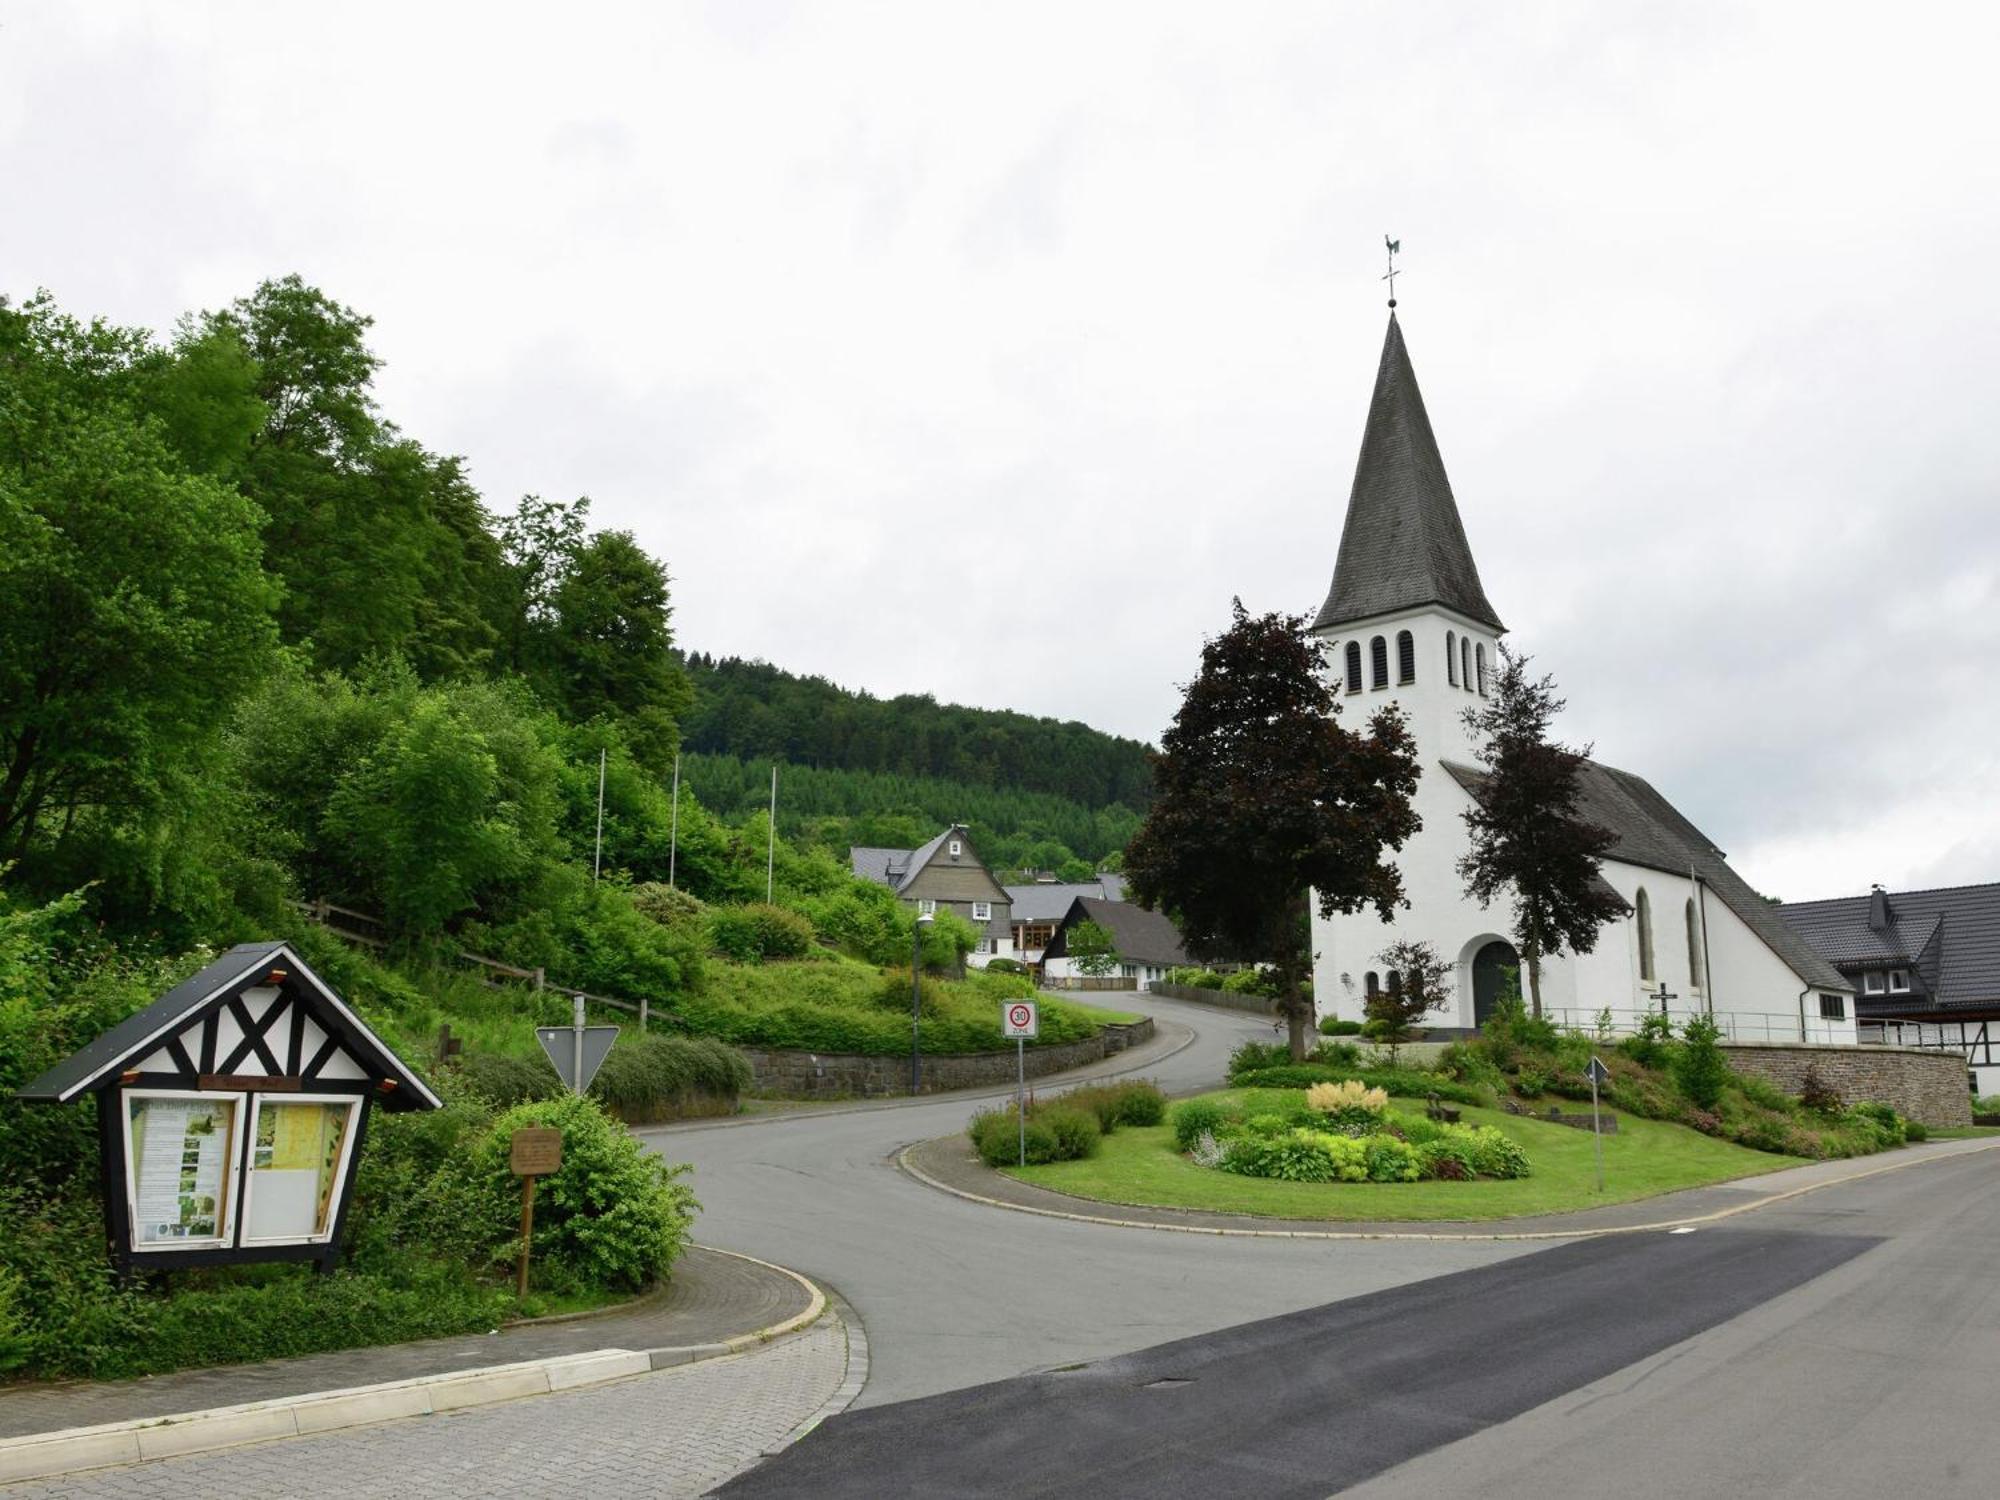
[[924, 919]]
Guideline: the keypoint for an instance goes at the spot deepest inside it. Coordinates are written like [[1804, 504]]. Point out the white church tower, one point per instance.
[[1407, 621]]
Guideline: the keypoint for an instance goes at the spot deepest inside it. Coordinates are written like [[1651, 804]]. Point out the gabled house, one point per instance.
[[1925, 966], [1040, 906], [946, 874], [1148, 944]]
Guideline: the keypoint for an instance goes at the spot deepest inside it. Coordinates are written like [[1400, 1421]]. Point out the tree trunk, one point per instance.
[[1292, 1003], [1534, 957]]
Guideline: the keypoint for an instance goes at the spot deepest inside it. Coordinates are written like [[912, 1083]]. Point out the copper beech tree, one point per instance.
[[1263, 800]]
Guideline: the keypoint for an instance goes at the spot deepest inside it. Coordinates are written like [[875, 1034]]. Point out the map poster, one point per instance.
[[180, 1169]]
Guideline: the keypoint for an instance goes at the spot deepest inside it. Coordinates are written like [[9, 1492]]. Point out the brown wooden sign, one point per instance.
[[262, 1083], [537, 1151]]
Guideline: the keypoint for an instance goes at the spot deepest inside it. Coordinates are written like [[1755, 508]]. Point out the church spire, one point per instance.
[[1403, 545]]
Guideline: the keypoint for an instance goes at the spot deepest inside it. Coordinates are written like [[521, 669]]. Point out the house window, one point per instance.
[[1871, 984], [926, 908], [1354, 666], [1406, 656], [1378, 662], [1694, 947], [986, 945], [982, 911], [1465, 662], [1480, 657], [1833, 1007], [956, 849], [1451, 657], [1645, 909], [1899, 981]]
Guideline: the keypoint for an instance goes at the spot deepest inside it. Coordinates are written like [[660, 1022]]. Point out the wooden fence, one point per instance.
[[347, 924]]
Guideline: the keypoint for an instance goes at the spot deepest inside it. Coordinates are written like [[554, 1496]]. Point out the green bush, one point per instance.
[[1402, 1083], [1191, 1118], [1471, 1066], [1262, 982], [1881, 1122], [504, 1081], [1076, 1131], [614, 1217], [1335, 1026], [669, 905], [646, 1079], [1298, 1155], [1698, 1064], [1134, 1102], [1005, 966], [1817, 1095], [1053, 1134], [1915, 1131], [1195, 978], [756, 932]]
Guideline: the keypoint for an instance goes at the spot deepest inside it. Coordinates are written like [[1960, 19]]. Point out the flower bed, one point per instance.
[[1339, 1132]]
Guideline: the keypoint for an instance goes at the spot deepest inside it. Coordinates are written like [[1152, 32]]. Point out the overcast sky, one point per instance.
[[986, 351]]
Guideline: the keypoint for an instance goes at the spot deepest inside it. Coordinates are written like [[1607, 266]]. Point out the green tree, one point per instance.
[[1528, 843], [1261, 798], [1415, 989], [1092, 948], [133, 610], [610, 645]]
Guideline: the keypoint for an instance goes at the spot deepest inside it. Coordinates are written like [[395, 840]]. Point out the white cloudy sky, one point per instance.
[[987, 350]]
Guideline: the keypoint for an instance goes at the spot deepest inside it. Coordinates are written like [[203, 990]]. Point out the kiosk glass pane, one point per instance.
[[180, 1152], [295, 1167]]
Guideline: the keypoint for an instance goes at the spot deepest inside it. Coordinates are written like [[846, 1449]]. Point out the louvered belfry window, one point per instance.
[[1354, 666], [1406, 656], [1378, 662]]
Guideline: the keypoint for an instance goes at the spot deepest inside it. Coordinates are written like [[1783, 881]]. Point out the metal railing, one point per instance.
[[1736, 1026]]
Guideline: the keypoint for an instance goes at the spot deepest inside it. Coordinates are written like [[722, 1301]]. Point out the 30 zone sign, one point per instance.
[[1017, 1018]]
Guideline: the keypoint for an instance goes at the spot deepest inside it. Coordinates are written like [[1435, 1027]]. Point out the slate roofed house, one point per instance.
[[1148, 943], [1040, 906], [946, 874], [1925, 966]]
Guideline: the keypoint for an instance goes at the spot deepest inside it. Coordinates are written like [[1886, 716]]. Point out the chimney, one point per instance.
[[1878, 909]]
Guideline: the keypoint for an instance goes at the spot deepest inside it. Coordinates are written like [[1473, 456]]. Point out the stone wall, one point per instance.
[[1256, 1005], [847, 1075], [1926, 1086]]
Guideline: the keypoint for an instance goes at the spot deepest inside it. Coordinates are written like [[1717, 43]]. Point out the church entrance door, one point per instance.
[[1487, 979]]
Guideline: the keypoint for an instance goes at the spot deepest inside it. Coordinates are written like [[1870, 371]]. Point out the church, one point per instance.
[[1407, 621]]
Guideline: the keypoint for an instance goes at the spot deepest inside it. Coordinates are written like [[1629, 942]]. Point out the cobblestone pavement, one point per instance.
[[674, 1433]]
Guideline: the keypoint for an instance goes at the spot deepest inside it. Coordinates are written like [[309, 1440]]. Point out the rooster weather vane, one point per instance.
[[1395, 249]]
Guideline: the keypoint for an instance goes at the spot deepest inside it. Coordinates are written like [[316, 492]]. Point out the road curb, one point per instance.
[[70, 1450], [905, 1165]]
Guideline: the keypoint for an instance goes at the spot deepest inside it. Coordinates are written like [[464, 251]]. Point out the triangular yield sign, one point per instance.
[[560, 1044]]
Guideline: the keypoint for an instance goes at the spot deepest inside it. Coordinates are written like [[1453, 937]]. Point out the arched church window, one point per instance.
[[1480, 656], [1354, 666], [1378, 662], [1694, 948], [1406, 656], [1451, 657], [1465, 662], [1371, 982], [1395, 982], [1645, 910]]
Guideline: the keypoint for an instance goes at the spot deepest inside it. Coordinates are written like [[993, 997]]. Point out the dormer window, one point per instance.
[[1871, 983], [1899, 981]]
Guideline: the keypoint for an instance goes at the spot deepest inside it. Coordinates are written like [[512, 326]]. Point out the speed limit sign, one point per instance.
[[1018, 1018]]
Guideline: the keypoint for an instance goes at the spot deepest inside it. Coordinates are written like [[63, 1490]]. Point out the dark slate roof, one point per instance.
[[921, 857], [1142, 936], [1951, 936], [1048, 901], [1651, 833], [1403, 545], [140, 1032], [883, 866]]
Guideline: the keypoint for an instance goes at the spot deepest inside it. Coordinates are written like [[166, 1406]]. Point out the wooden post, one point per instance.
[[642, 1015], [527, 1233]]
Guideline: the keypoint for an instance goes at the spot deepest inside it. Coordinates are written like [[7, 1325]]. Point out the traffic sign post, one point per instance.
[[1598, 1074], [1020, 1020], [576, 1051]]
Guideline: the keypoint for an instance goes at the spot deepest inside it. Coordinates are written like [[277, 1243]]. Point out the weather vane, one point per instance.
[[1395, 247]]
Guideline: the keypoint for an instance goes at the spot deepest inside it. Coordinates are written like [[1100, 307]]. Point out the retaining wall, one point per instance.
[[1926, 1086], [846, 1075], [1256, 1005]]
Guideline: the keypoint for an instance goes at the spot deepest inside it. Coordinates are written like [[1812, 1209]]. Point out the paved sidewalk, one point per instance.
[[676, 1433], [711, 1298], [950, 1163]]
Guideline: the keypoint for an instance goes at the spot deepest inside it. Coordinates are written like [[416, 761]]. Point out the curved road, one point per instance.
[[954, 1293]]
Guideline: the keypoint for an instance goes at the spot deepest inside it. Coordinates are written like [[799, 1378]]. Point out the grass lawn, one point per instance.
[[1964, 1132], [1646, 1157], [1098, 1013]]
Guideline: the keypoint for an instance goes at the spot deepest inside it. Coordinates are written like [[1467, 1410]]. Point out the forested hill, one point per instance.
[[753, 710]]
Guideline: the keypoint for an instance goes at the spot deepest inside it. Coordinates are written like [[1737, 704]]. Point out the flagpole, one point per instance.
[[771, 848], [674, 837], [597, 859]]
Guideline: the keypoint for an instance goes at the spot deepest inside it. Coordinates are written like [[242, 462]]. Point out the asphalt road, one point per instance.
[[1844, 1345], [953, 1293]]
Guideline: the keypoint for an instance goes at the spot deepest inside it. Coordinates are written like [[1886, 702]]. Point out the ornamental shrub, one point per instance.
[[1493, 1154], [1335, 1026], [504, 1081], [1400, 1083], [615, 1217], [750, 934], [1134, 1102], [1817, 1095], [1915, 1131], [997, 1138], [1193, 1118], [1391, 1160], [1881, 1122], [1076, 1131], [1698, 1064], [1250, 1056], [1298, 1155], [1350, 1106]]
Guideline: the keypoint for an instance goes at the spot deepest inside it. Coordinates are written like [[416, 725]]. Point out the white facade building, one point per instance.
[[1407, 621]]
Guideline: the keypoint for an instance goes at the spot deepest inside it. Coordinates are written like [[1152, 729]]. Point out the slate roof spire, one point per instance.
[[1402, 546]]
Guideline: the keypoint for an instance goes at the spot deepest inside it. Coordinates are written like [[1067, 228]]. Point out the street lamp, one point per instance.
[[924, 919]]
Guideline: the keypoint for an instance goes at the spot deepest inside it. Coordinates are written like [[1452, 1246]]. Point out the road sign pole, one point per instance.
[[1597, 1131], [576, 1033], [1021, 1093]]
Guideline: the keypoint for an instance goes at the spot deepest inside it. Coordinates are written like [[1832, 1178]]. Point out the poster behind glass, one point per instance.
[[295, 1167], [180, 1169]]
